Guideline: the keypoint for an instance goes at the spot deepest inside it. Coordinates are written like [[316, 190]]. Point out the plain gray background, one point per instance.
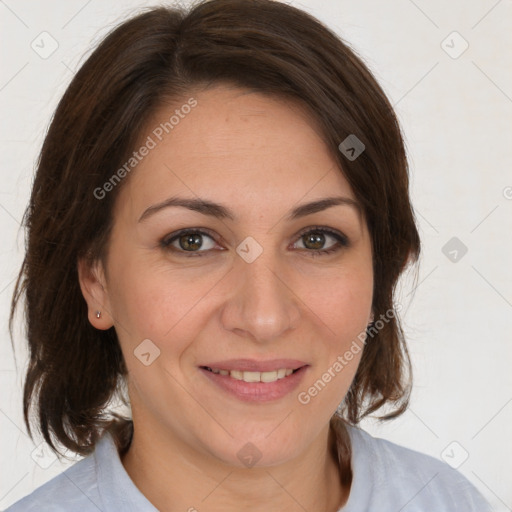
[[446, 67]]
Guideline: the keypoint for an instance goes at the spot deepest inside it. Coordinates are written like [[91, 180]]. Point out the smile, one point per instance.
[[250, 385], [248, 376]]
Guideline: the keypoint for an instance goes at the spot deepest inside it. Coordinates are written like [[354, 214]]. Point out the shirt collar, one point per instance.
[[116, 488]]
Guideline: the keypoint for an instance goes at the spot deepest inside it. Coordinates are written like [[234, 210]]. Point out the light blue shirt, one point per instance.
[[386, 478]]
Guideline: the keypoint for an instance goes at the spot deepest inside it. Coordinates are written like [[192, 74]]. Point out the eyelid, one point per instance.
[[342, 238], [168, 239]]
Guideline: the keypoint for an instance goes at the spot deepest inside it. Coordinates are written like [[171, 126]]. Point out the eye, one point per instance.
[[189, 241], [315, 238]]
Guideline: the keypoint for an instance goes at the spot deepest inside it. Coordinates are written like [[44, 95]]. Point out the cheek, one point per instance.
[[154, 301], [342, 301], [341, 307]]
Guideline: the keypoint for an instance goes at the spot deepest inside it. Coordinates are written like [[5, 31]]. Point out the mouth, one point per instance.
[[253, 376], [252, 381]]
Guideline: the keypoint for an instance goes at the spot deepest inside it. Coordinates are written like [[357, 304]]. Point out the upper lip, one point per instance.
[[252, 365]]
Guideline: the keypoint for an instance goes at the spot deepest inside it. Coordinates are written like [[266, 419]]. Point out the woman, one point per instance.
[[219, 218]]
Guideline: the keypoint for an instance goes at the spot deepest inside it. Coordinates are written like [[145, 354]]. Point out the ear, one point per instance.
[[94, 289]]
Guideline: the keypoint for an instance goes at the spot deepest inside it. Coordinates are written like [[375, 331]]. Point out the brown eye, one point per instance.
[[314, 241], [189, 241]]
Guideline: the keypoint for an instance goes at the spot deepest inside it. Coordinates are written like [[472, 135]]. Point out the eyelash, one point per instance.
[[342, 240]]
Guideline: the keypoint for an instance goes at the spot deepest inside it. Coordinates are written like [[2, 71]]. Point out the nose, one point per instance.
[[263, 305]]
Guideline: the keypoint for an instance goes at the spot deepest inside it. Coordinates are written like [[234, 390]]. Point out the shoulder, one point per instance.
[[74, 489], [98, 482], [398, 476]]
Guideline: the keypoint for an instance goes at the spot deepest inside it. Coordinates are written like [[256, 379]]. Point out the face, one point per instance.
[[240, 285]]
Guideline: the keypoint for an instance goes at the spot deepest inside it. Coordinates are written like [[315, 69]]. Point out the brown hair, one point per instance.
[[160, 55]]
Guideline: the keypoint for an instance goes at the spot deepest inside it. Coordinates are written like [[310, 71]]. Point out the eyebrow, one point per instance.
[[218, 211]]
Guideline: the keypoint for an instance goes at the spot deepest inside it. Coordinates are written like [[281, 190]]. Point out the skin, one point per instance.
[[261, 157]]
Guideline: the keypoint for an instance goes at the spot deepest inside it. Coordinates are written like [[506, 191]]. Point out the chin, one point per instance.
[[256, 450]]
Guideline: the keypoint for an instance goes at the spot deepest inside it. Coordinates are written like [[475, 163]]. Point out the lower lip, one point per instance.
[[257, 391]]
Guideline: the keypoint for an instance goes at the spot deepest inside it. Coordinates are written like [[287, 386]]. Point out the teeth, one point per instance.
[[255, 376], [251, 377], [268, 376]]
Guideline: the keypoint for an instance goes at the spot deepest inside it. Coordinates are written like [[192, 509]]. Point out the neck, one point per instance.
[[174, 477]]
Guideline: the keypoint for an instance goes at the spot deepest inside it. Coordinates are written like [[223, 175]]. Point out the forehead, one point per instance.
[[243, 147]]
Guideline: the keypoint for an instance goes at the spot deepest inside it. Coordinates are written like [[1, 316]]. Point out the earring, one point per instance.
[[98, 314]]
